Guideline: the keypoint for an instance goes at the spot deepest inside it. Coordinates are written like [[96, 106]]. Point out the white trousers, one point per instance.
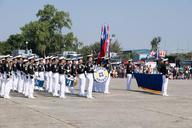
[[107, 84], [20, 83], [1, 79], [55, 84], [15, 81], [129, 77], [8, 84], [25, 85], [82, 84], [46, 81], [50, 90], [165, 85], [31, 84], [90, 85], [3, 82], [62, 85]]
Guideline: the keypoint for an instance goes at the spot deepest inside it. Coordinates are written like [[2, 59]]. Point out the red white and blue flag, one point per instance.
[[104, 43]]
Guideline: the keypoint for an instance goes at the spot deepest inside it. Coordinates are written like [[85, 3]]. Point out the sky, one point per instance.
[[134, 22]]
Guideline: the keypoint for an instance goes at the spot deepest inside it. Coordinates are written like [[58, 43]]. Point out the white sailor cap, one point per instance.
[[130, 60], [30, 58], [7, 56], [55, 57], [165, 59], [25, 60], [40, 59], [47, 57], [90, 55], [62, 58], [36, 60], [18, 56]]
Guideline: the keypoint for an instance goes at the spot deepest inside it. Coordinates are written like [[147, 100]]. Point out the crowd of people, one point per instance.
[[55, 75], [184, 72]]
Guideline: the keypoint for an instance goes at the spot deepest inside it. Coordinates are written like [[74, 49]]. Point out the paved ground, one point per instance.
[[120, 109]]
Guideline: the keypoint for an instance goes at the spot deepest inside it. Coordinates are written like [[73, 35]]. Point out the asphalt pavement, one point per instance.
[[119, 109]]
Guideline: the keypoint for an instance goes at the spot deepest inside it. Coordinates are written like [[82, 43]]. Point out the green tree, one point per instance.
[[5, 48], [16, 41], [155, 43], [70, 42], [45, 34]]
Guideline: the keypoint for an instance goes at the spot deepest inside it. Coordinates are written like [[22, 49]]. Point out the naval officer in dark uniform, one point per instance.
[[164, 70], [81, 76], [62, 76], [89, 74], [129, 72], [31, 75]]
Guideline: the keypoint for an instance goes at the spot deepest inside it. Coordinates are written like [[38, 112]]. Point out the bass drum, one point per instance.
[[101, 74]]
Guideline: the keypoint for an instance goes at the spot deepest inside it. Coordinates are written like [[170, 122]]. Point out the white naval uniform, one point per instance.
[[15, 81], [129, 77], [50, 88], [31, 81], [3, 82], [62, 85], [55, 84], [25, 85], [82, 84], [1, 79], [8, 84], [165, 85], [21, 81], [90, 85], [46, 80]]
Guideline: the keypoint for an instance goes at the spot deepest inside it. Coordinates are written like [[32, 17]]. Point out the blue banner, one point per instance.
[[149, 81]]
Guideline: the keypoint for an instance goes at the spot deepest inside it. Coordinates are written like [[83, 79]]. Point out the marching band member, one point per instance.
[[68, 74], [25, 77], [15, 77], [129, 71], [2, 78], [81, 75], [74, 74], [50, 88], [107, 65], [90, 71], [19, 73], [62, 77], [55, 76], [47, 69], [35, 64], [164, 71], [31, 72], [8, 77]]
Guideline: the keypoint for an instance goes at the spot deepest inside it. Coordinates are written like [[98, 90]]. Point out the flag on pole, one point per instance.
[[104, 43]]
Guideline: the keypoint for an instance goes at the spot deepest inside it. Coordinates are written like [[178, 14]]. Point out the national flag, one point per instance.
[[104, 42]]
